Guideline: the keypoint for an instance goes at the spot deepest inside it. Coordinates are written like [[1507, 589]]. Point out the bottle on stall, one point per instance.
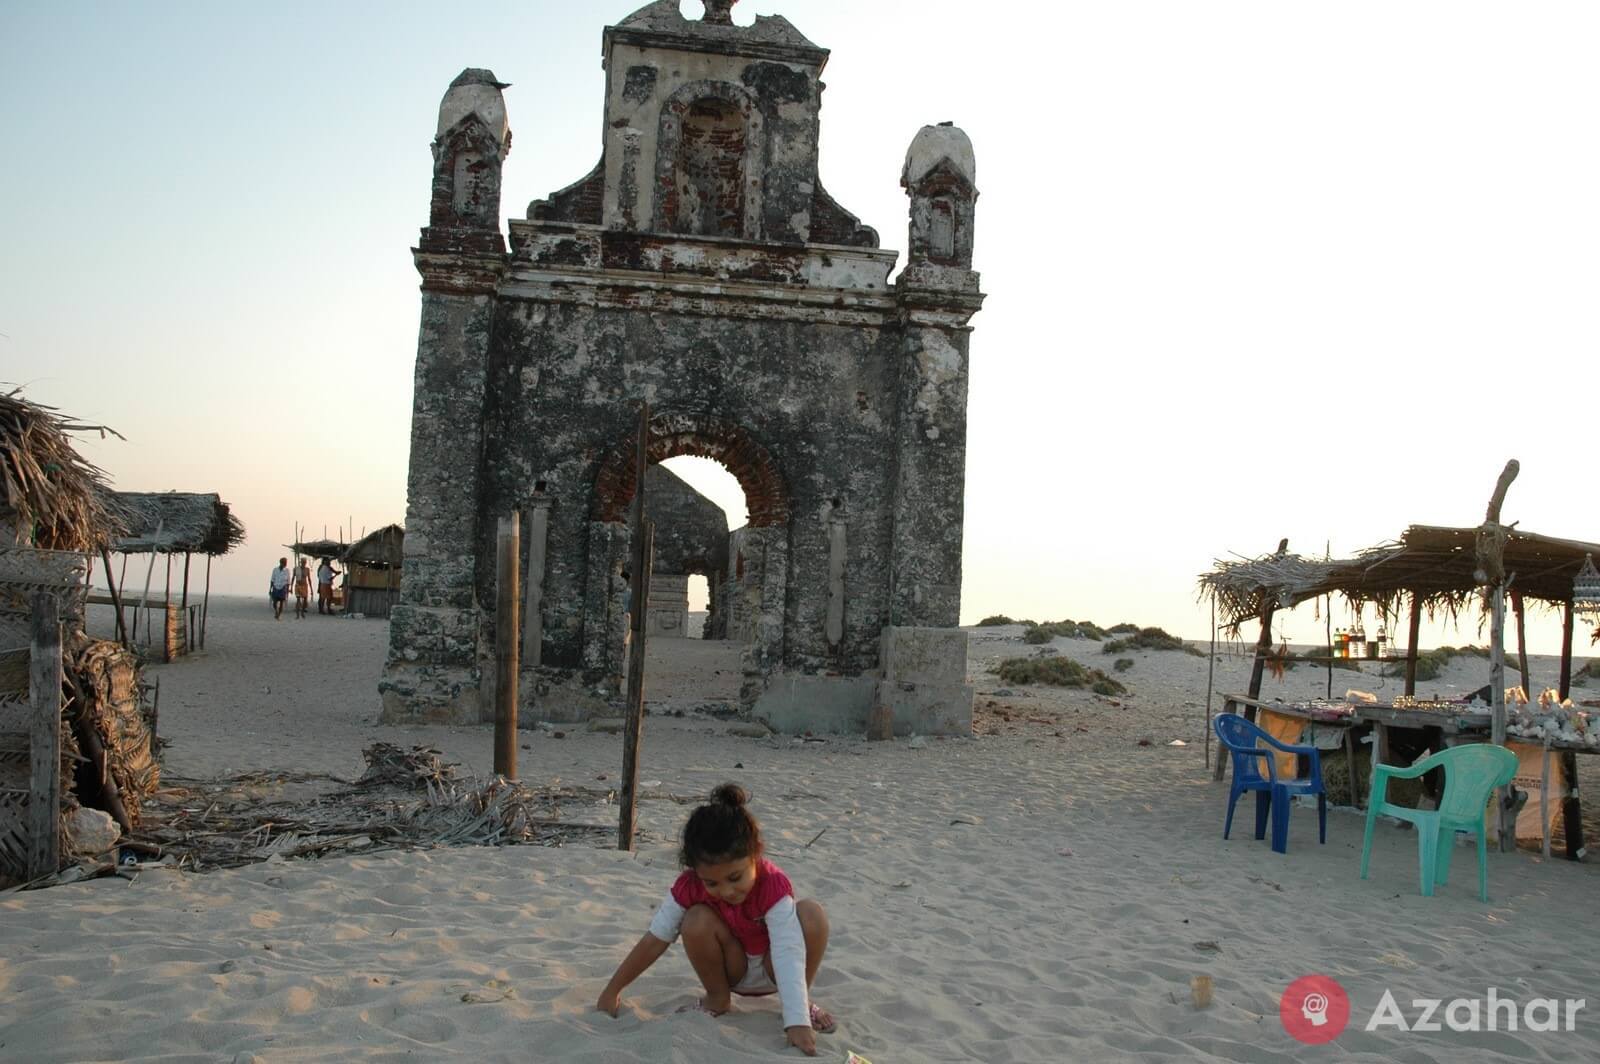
[[1337, 650], [1358, 643], [1377, 648]]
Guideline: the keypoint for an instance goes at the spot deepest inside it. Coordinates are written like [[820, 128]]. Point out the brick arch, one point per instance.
[[671, 435]]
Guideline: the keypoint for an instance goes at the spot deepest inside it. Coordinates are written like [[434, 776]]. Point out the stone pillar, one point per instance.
[[766, 584], [938, 294], [432, 672]]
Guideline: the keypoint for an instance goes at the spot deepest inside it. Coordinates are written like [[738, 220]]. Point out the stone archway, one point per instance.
[[672, 435], [765, 545]]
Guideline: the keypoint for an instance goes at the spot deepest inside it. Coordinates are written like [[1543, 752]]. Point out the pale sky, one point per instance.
[[1255, 269]]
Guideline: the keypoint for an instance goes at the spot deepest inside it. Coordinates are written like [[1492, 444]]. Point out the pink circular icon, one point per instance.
[[1314, 1009]]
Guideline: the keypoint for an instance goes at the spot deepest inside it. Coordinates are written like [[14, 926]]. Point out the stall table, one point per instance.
[[1452, 729]]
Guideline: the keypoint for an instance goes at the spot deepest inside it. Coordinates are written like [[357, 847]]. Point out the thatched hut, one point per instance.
[[50, 497], [56, 513], [170, 523], [372, 567]]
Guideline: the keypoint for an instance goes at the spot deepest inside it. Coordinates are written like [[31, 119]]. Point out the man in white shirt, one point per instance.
[[278, 587]]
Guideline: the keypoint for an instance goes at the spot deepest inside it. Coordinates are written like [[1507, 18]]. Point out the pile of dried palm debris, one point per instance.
[[405, 800]]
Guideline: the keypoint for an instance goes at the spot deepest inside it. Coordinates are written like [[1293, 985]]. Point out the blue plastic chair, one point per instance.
[[1243, 740], [1471, 773]]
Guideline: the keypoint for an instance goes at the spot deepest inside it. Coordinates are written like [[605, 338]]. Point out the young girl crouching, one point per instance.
[[742, 928]]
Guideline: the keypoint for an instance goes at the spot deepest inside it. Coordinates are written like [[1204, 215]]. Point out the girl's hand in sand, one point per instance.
[[610, 1003], [803, 1039]]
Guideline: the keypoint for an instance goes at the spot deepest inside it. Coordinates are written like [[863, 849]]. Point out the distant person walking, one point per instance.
[[302, 588], [325, 574], [278, 587]]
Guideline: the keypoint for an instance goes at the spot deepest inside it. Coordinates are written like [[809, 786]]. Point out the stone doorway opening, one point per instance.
[[733, 536]]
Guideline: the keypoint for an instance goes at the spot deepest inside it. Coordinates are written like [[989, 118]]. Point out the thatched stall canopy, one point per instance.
[[317, 548], [372, 572], [50, 498], [169, 523], [1434, 567]]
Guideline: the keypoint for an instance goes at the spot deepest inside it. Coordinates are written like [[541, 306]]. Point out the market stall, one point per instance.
[[1435, 570]]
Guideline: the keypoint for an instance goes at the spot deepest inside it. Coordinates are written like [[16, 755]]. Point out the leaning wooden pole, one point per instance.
[[506, 644], [116, 599], [633, 730], [1491, 574], [642, 545]]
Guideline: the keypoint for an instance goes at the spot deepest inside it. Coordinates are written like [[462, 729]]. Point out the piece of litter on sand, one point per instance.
[[1177, 742], [1064, 853], [902, 885], [649, 783], [964, 820], [1200, 988], [1208, 947], [852, 1057]]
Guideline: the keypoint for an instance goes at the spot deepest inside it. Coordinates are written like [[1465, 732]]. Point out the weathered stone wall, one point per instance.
[[820, 398]]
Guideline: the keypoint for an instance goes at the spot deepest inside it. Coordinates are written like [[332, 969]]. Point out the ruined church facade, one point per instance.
[[702, 267]]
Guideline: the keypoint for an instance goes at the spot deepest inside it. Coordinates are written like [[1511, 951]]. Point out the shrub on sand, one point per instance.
[[1056, 672]]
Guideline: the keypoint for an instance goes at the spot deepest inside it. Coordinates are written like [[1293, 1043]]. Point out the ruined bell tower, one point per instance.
[[702, 266]]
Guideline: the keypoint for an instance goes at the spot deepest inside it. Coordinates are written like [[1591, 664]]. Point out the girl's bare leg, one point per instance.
[[717, 957]]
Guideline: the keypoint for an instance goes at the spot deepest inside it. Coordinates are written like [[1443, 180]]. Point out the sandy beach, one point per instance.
[[1043, 891]]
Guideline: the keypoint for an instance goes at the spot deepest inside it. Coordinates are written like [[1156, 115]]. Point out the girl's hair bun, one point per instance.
[[731, 795]]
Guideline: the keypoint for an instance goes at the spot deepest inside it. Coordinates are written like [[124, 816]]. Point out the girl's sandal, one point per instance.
[[700, 1006], [821, 1020]]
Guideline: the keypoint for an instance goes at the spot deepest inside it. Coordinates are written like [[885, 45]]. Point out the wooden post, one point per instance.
[[205, 604], [1269, 607], [166, 615], [144, 599], [116, 597], [1412, 636], [1522, 644], [1544, 801], [44, 747], [538, 538], [183, 606], [1211, 672], [633, 731], [1564, 683], [1327, 616], [506, 642], [1571, 808], [1491, 546], [642, 543]]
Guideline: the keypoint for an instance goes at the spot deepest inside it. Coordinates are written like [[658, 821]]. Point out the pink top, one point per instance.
[[747, 920]]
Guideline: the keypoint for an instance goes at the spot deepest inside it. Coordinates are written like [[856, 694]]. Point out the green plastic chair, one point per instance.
[[1471, 773]]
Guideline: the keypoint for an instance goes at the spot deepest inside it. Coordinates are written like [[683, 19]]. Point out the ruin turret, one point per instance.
[[940, 176], [472, 142]]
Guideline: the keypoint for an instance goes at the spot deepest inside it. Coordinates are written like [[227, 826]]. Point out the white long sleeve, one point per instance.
[[668, 919], [788, 962]]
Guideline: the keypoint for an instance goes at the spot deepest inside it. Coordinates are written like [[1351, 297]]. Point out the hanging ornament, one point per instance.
[[1586, 591]]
